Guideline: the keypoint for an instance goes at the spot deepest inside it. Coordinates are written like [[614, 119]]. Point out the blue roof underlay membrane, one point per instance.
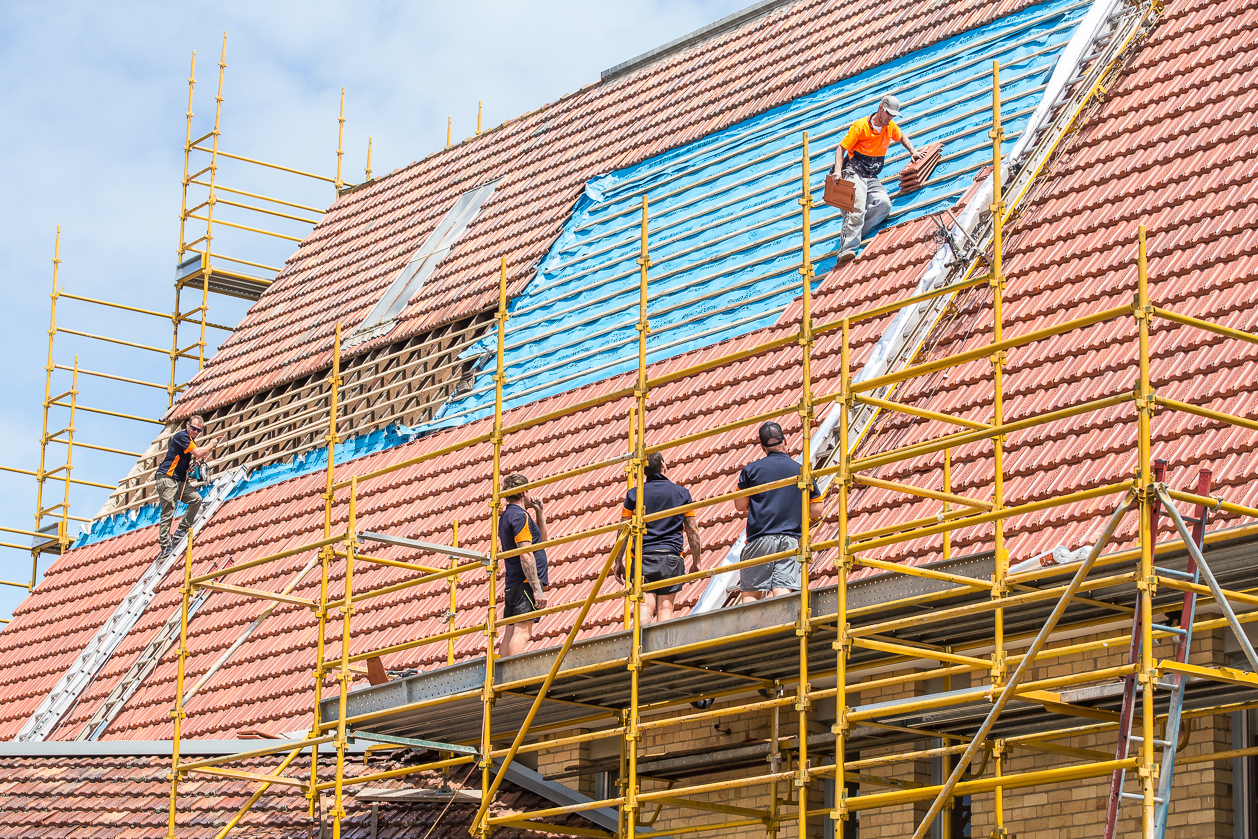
[[724, 219]]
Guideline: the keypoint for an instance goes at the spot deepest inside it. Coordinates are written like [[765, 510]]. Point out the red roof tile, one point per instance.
[[116, 796]]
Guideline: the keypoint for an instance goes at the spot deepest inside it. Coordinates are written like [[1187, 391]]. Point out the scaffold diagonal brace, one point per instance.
[[1219, 595], [1024, 667]]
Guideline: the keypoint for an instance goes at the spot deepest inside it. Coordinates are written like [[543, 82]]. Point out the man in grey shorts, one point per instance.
[[774, 518]]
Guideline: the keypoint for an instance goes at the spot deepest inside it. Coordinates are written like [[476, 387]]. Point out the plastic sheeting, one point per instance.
[[724, 222]]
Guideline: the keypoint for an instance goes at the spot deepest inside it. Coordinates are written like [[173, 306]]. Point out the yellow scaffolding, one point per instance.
[[203, 272], [999, 667]]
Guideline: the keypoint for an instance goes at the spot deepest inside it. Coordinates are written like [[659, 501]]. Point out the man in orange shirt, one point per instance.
[[859, 158]]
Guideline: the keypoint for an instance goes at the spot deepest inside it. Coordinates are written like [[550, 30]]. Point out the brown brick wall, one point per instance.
[[1201, 804]]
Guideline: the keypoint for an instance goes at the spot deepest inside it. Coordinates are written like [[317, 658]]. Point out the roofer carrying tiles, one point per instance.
[[661, 543], [859, 158], [172, 481], [526, 576], [774, 518]]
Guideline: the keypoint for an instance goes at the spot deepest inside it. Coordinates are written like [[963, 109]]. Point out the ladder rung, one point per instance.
[[1137, 796], [1163, 743], [1177, 630], [1171, 572]]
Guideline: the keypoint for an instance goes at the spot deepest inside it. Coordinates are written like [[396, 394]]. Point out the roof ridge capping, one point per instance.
[[698, 36]]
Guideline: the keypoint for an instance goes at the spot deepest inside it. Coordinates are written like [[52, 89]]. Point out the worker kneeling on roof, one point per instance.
[[174, 485], [860, 157], [661, 541], [526, 577], [774, 518]]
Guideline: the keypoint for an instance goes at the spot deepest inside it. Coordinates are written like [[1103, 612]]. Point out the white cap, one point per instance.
[[891, 104]]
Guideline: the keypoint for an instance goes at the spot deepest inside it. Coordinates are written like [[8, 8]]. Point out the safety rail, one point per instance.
[[1001, 663]]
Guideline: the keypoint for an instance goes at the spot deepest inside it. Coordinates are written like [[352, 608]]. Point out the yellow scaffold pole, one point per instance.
[[1001, 570], [633, 733], [43, 438], [1146, 769], [183, 234], [209, 210], [491, 615], [804, 627], [326, 555], [181, 662], [454, 602], [843, 563], [344, 674]]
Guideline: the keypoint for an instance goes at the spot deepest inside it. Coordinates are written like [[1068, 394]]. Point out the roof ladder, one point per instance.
[[139, 671], [1169, 743], [84, 669]]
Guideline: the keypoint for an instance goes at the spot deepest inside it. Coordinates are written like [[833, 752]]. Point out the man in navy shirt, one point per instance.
[[774, 518], [172, 481], [661, 543], [526, 574]]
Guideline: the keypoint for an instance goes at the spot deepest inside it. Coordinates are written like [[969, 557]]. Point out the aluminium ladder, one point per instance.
[[1169, 743]]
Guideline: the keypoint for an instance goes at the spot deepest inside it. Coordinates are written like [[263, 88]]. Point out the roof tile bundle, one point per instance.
[[916, 173]]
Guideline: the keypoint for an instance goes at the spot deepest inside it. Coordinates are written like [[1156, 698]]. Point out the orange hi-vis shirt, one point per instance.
[[867, 148]]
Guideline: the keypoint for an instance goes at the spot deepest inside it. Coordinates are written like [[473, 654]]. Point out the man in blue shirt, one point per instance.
[[526, 574], [172, 481], [661, 543], [774, 518]]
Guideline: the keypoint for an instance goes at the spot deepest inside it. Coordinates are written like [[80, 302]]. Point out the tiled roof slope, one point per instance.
[[78, 593], [99, 797], [347, 262], [268, 683], [1170, 147]]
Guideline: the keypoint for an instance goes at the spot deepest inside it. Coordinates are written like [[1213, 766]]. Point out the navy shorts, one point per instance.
[[661, 566], [519, 600]]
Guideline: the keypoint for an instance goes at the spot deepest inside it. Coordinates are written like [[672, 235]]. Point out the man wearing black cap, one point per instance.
[[860, 157], [661, 543], [774, 518]]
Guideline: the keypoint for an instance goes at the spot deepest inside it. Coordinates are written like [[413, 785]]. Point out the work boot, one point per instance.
[[846, 257], [164, 548], [179, 534]]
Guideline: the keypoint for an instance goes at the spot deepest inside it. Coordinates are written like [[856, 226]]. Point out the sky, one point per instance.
[[93, 99]]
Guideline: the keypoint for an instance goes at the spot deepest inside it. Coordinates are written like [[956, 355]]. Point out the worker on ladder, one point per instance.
[[860, 157], [173, 484], [662, 541]]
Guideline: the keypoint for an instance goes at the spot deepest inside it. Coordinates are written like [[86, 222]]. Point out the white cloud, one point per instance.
[[93, 96]]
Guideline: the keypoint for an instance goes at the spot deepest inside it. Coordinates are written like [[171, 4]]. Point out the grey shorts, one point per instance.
[[781, 573]]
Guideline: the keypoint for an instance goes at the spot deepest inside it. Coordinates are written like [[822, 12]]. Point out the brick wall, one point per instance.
[[1201, 803]]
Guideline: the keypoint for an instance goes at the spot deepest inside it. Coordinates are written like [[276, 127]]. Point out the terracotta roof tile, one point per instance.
[[115, 797]]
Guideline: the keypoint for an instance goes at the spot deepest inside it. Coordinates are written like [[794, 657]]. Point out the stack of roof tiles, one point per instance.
[[915, 175]]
